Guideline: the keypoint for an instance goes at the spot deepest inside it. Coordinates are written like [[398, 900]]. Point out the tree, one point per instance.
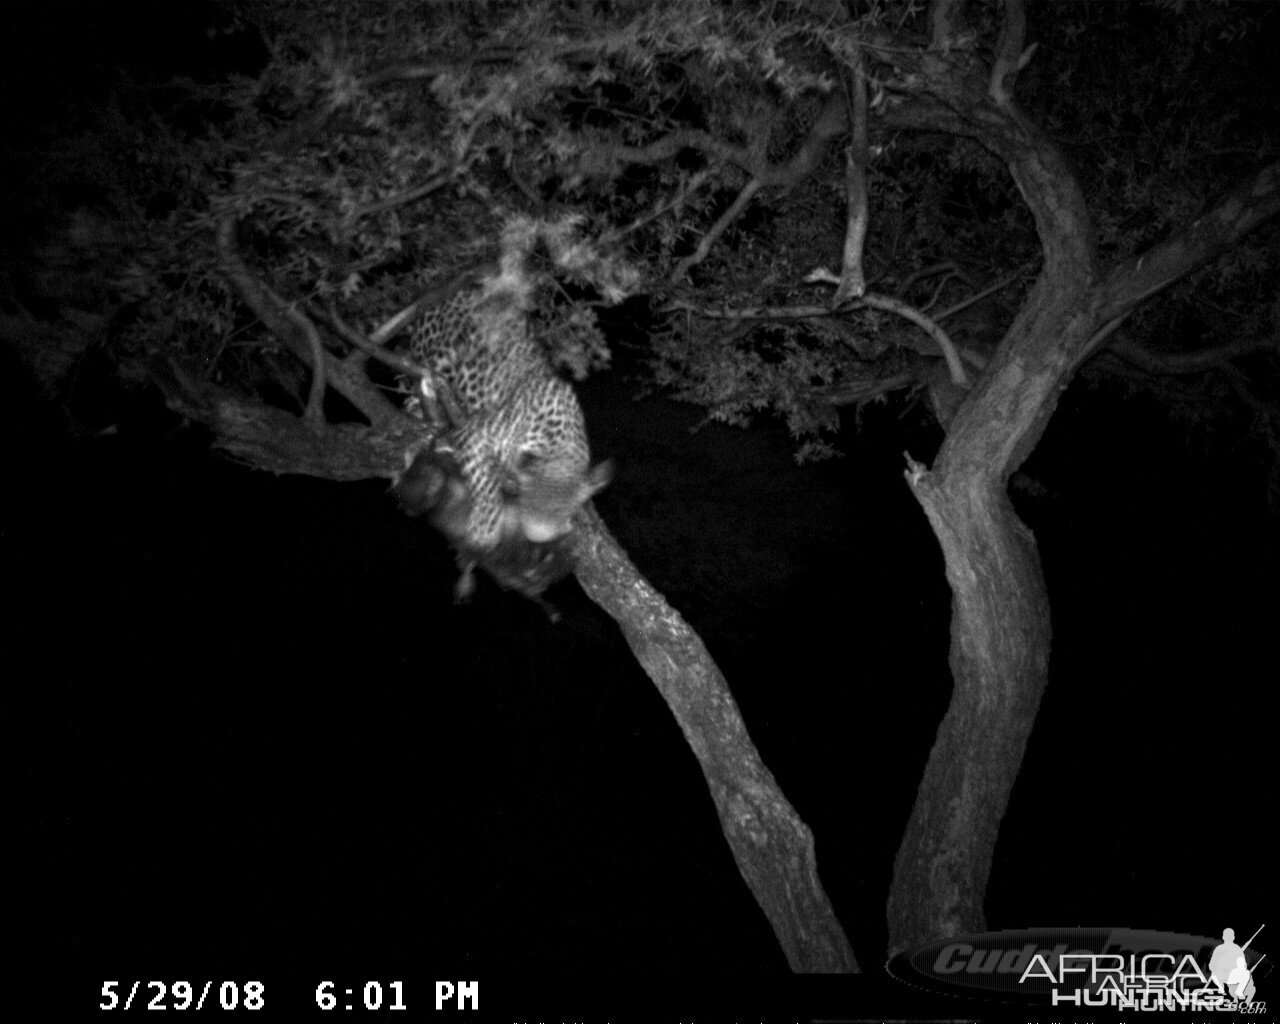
[[368, 168]]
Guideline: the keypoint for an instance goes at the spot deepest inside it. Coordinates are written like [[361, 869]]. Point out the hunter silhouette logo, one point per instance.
[[1229, 970], [1118, 968]]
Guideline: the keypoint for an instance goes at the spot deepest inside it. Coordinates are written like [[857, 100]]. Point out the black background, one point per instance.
[[263, 734], [252, 733]]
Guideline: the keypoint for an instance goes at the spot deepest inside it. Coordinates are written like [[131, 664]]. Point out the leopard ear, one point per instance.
[[598, 477]]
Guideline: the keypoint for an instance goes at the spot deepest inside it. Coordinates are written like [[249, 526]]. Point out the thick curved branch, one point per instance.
[[771, 845], [899, 308], [950, 353], [1186, 363], [1238, 213], [1000, 613], [930, 327], [929, 92]]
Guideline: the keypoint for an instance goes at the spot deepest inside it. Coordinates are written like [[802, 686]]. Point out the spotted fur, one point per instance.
[[522, 444], [510, 466], [433, 483]]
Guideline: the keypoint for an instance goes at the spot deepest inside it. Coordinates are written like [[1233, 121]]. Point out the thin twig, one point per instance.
[[1004, 282], [425, 189], [717, 229], [692, 185]]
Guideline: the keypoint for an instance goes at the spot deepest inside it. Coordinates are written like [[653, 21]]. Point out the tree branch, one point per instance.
[[1009, 56], [830, 122], [695, 182], [267, 438], [1004, 282], [1000, 628], [283, 320], [425, 189], [716, 230], [854, 392], [930, 327], [315, 395], [435, 296], [1185, 363], [1234, 216], [748, 312], [348, 381], [447, 415], [772, 846], [853, 281], [907, 312]]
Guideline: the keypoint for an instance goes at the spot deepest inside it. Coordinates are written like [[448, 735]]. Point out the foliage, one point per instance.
[[368, 151], [1169, 121]]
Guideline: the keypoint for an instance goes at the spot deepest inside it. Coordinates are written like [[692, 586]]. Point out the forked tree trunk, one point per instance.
[[1000, 631], [1000, 609]]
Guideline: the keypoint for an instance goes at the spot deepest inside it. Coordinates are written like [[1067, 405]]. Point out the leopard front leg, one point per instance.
[[485, 476]]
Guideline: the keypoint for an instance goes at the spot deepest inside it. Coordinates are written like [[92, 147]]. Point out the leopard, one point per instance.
[[515, 465], [433, 482]]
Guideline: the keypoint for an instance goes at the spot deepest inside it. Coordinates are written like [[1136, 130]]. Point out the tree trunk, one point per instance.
[[999, 663], [772, 846], [1000, 625], [1000, 629]]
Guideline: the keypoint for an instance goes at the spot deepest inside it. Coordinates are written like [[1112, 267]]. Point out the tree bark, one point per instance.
[[1000, 626], [1000, 631], [772, 846], [264, 437]]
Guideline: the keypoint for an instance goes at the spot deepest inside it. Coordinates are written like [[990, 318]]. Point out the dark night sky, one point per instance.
[[261, 736], [265, 733]]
